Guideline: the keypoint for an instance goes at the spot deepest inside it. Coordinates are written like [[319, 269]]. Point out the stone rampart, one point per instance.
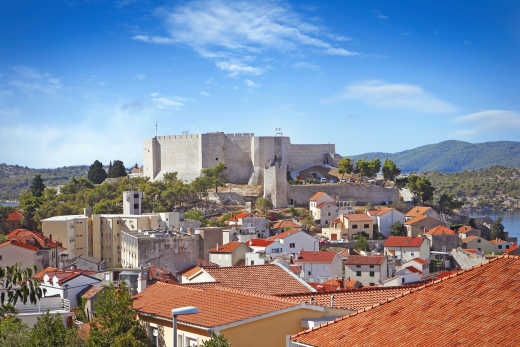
[[304, 156]]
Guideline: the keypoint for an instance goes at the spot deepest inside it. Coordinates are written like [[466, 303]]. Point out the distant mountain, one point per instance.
[[453, 156], [15, 179]]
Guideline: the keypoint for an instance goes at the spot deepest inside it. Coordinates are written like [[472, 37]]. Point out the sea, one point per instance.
[[511, 223], [9, 203]]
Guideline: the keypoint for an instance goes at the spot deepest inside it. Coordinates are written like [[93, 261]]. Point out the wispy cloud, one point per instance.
[[234, 33], [140, 76], [489, 120], [163, 103], [205, 93], [305, 65], [395, 96], [30, 80], [251, 84]]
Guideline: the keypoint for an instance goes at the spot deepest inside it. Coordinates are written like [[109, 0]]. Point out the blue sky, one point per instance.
[[86, 80]]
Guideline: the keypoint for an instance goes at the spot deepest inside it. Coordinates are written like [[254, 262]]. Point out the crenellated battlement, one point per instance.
[[177, 137]]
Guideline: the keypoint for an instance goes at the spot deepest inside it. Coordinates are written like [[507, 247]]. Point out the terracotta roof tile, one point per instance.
[[286, 224], [32, 238], [420, 261], [417, 211], [403, 241], [470, 238], [218, 305], [239, 215], [19, 244], [357, 217], [192, 271], [433, 314], [464, 229], [498, 241], [62, 275], [226, 248], [92, 291], [159, 274], [413, 269], [415, 219], [316, 196], [470, 250], [15, 216], [259, 242], [283, 235], [315, 257], [440, 230], [380, 211], [364, 260]]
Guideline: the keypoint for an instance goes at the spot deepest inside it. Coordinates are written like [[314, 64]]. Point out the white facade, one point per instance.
[[67, 290], [406, 253], [321, 272], [385, 220], [132, 202], [300, 241]]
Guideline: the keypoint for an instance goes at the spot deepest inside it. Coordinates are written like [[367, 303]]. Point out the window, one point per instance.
[[371, 284], [371, 273], [358, 273], [412, 254], [478, 240], [366, 226], [136, 196], [499, 246], [329, 214], [507, 246], [291, 245], [479, 249], [354, 226], [371, 266], [309, 273], [0, 257], [358, 266], [252, 262], [216, 158], [136, 206]]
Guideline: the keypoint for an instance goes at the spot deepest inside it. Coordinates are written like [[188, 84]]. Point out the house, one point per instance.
[[271, 279], [295, 240], [56, 306], [346, 226], [66, 283], [479, 243], [467, 230], [196, 274], [229, 254], [243, 317], [405, 248], [319, 266], [71, 231], [442, 239], [263, 251], [369, 270], [420, 224], [323, 208], [250, 222], [501, 245], [14, 252], [418, 316], [89, 297], [422, 211], [418, 263], [283, 225], [47, 249], [384, 218]]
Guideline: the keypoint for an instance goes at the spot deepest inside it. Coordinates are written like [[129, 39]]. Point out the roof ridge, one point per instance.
[[413, 290], [350, 290], [253, 294]]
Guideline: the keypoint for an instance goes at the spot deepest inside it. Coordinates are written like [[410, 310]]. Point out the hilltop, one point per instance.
[[453, 156]]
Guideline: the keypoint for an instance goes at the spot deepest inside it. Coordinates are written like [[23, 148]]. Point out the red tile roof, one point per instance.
[[326, 203], [62, 275], [498, 241], [239, 215], [440, 230], [380, 211], [296, 269], [267, 279], [403, 241], [15, 216], [19, 244], [470, 238], [32, 238], [315, 257], [413, 269], [472, 251], [283, 235], [357, 217], [286, 224], [364, 260], [417, 211], [259, 242], [352, 298], [226, 248], [218, 305], [192, 271], [92, 291], [156, 273], [415, 219], [464, 229], [316, 196], [433, 314], [511, 249]]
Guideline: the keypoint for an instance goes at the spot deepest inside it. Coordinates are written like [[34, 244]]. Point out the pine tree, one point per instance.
[[116, 169], [37, 186], [96, 173]]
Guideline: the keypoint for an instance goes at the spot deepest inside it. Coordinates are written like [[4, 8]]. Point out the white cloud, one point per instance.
[[163, 103], [395, 96], [240, 31], [31, 80], [154, 94], [305, 65], [204, 93], [140, 76], [490, 120], [251, 84]]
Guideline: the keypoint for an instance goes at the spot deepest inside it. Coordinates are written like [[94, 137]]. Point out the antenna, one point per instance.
[[155, 128], [278, 132]]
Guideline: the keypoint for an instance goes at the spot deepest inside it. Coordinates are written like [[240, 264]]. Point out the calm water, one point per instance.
[[511, 223], [12, 204]]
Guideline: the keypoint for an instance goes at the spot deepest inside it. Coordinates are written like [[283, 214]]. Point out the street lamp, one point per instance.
[[181, 311]]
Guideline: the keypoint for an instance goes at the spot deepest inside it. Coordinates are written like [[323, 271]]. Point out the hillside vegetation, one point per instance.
[[15, 179], [453, 156]]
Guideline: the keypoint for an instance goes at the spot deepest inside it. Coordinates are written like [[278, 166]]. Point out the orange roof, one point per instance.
[[92, 291], [420, 261], [259, 242], [413, 269], [19, 244], [32, 238], [218, 305], [440, 230], [403, 241], [84, 331], [351, 298], [192, 271], [415, 220], [239, 215], [470, 238], [283, 235], [364, 260], [226, 248], [267, 279], [511, 249], [432, 314], [315, 257], [286, 224], [469, 250], [316, 196], [357, 217], [296, 269], [417, 211], [380, 211], [159, 274], [62, 275], [326, 203], [15, 216], [464, 229], [498, 241]]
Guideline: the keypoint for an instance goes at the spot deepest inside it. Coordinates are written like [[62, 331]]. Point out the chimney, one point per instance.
[[332, 301], [310, 301], [142, 280]]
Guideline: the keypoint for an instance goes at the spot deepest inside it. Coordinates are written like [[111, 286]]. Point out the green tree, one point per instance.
[[196, 215], [345, 166], [497, 230], [29, 204], [116, 169], [421, 187], [37, 186], [263, 204], [361, 243], [13, 332], [362, 168], [115, 322], [397, 229], [17, 283], [49, 331], [217, 175], [447, 203], [216, 341], [96, 172], [374, 166], [390, 170]]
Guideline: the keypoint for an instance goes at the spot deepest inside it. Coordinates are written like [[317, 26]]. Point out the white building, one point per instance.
[[295, 240], [369, 270], [262, 251], [319, 266], [405, 248], [325, 208], [385, 217], [229, 254]]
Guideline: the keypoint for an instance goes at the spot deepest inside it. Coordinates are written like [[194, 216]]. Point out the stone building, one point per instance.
[[369, 270], [71, 231]]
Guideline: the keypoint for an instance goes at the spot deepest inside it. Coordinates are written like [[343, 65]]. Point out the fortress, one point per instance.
[[250, 160]]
